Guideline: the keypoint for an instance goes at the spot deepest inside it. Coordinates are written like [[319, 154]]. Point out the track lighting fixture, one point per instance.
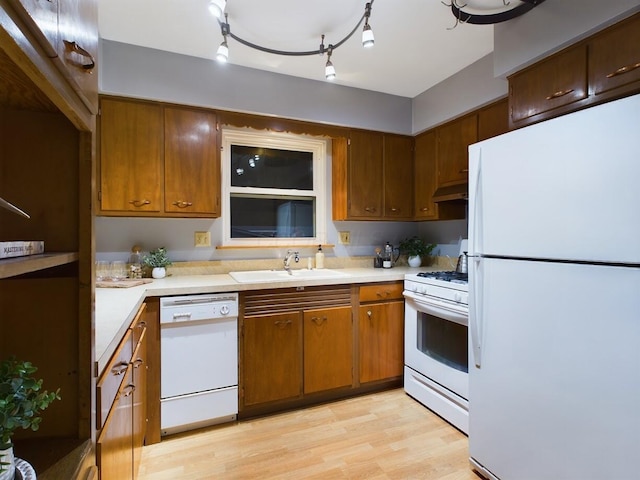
[[217, 8]]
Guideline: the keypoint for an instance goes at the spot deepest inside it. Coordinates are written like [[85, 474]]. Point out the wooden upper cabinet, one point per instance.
[[191, 162], [614, 58], [77, 46], [130, 156], [454, 139], [493, 119], [398, 177], [550, 84], [67, 30], [425, 177], [365, 175]]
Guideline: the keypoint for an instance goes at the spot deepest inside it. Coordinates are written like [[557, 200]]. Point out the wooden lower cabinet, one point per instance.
[[328, 349], [381, 340], [122, 433], [272, 358]]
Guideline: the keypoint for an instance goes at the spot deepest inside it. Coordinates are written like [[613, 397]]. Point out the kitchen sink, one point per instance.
[[256, 276]]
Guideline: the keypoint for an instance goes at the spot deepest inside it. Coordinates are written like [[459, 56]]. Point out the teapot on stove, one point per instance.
[[462, 266]]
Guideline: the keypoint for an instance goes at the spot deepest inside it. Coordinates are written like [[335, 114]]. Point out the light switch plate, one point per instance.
[[345, 238], [202, 239]]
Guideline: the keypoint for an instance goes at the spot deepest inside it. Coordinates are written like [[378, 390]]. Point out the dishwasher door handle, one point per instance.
[[182, 316]]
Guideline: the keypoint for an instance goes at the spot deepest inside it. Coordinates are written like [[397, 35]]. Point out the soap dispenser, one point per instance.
[[319, 257]]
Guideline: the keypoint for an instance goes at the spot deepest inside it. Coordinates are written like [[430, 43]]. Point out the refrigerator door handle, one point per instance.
[[475, 225], [475, 318]]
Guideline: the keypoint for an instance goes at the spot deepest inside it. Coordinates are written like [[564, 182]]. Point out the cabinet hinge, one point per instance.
[[217, 126]]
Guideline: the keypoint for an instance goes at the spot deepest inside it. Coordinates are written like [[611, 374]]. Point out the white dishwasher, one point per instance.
[[199, 361]]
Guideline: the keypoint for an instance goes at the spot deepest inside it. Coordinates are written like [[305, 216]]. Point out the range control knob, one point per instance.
[[224, 310]]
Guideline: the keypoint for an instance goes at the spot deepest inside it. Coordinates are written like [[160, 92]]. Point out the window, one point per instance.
[[273, 188]]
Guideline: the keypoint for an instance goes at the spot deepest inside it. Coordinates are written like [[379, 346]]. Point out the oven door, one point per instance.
[[437, 341]]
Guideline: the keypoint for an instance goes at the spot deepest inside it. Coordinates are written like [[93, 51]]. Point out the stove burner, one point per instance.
[[454, 277]]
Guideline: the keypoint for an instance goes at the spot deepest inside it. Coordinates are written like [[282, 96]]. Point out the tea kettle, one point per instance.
[[461, 267]]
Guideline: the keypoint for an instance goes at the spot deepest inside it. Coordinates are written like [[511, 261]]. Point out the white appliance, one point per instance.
[[436, 343], [554, 277], [198, 361]]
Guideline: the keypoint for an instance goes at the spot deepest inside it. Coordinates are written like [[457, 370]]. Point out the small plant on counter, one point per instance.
[[415, 246], [157, 258], [21, 400]]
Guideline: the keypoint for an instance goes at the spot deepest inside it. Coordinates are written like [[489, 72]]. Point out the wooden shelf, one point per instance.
[[11, 267]]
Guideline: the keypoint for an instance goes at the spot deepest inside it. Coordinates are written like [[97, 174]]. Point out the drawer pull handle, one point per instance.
[[319, 321], [625, 69], [370, 209], [424, 209], [559, 94], [182, 204], [369, 314], [140, 203], [128, 390], [120, 368], [386, 293], [142, 324], [282, 323], [74, 47], [464, 170], [137, 362]]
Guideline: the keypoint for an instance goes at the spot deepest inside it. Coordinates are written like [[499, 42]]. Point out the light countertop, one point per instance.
[[116, 307]]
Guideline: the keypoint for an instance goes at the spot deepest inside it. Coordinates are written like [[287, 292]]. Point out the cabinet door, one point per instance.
[[454, 139], [614, 57], [272, 358], [191, 162], [493, 120], [381, 340], [43, 14], [115, 445], [425, 178], [139, 364], [365, 175], [130, 156], [328, 349], [553, 83], [398, 177], [78, 46]]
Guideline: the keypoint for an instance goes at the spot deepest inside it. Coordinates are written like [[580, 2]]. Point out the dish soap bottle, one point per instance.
[[319, 257]]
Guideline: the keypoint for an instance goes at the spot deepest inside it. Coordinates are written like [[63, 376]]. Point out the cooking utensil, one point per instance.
[[462, 266]]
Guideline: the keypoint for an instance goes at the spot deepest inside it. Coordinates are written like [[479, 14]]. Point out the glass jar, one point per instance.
[[135, 262]]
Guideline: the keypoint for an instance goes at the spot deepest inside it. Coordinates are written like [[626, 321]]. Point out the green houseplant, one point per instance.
[[415, 248], [157, 260], [22, 400]]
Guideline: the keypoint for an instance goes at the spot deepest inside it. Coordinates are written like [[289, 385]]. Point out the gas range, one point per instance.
[[446, 285]]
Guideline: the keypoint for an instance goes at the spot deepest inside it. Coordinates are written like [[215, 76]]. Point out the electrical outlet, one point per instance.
[[345, 238], [202, 239]]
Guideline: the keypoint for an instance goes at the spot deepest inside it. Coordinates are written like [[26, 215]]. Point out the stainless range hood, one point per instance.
[[451, 193]]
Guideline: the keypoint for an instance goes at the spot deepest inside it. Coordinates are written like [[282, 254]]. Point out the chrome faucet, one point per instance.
[[287, 260]]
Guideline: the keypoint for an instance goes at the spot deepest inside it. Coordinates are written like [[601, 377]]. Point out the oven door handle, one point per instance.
[[452, 312]]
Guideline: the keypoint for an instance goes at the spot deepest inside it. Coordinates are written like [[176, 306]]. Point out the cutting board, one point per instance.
[[123, 283]]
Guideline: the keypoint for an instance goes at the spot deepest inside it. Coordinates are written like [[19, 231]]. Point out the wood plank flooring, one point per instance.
[[380, 436]]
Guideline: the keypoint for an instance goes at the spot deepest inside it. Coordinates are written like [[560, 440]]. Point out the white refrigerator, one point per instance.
[[554, 298]]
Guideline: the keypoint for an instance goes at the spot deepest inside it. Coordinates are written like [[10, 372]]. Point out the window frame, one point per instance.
[[283, 141]]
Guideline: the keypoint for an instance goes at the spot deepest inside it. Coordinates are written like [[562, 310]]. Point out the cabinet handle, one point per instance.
[[559, 94], [137, 362], [369, 314], [139, 203], [282, 323], [424, 209], [383, 294], [128, 390], [318, 321], [370, 209], [464, 170], [142, 324], [182, 204], [394, 209], [74, 47], [625, 69], [119, 369]]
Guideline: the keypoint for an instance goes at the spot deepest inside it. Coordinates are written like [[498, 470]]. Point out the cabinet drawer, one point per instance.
[[614, 57], [381, 291], [551, 84], [111, 379]]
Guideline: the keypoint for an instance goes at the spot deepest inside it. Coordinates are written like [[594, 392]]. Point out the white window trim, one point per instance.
[[283, 141]]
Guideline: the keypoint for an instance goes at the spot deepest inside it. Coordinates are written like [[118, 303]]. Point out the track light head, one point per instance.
[[222, 55], [216, 7]]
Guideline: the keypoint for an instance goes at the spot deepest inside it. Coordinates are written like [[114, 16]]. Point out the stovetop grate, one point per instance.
[[447, 276]]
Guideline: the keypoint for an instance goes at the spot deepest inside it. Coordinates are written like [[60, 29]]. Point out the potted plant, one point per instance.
[[414, 247], [157, 260], [21, 403]]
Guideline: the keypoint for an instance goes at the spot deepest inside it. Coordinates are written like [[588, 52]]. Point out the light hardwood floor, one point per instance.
[[385, 435]]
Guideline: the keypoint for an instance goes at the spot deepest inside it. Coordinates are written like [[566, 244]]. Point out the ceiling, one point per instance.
[[415, 48]]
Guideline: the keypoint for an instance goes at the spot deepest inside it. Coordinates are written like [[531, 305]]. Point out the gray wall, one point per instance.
[[140, 72]]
